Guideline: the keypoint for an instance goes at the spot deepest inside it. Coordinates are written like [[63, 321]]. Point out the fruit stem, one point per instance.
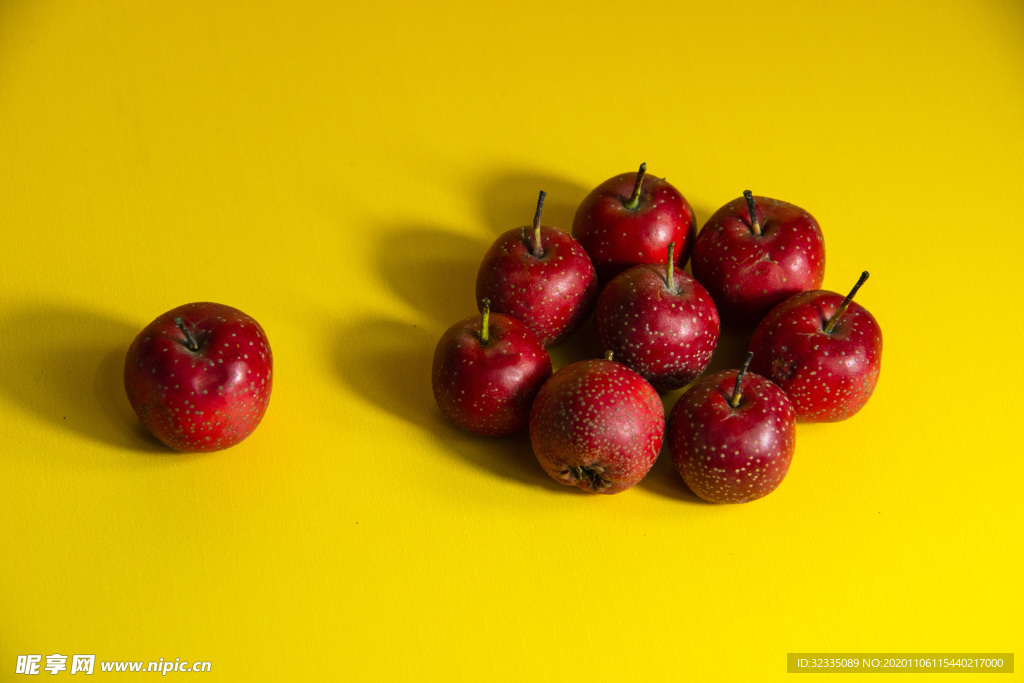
[[538, 248], [670, 270], [754, 225], [831, 324], [190, 341], [485, 322], [736, 393], [634, 199]]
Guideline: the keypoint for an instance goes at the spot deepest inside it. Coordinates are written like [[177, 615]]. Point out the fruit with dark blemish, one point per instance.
[[487, 370], [732, 436], [597, 425], [199, 376], [541, 276], [658, 321], [756, 252], [631, 219], [824, 350]]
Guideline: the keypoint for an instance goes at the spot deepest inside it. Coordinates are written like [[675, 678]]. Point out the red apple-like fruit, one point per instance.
[[542, 277], [754, 253], [658, 321], [199, 376], [597, 425], [487, 370], [631, 219], [825, 351], [732, 436]]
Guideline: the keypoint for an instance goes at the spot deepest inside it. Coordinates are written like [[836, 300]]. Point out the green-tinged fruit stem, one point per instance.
[[634, 199], [670, 269], [485, 312], [737, 394]]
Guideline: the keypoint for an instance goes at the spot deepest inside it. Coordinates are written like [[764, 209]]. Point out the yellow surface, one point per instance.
[[337, 170]]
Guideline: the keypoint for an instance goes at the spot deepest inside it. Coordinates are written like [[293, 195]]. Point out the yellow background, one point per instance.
[[337, 170]]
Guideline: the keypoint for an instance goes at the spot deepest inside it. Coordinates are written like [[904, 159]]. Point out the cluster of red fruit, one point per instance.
[[599, 424]]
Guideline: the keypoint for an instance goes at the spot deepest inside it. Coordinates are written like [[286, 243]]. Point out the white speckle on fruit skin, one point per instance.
[[747, 275], [176, 404], [617, 238], [488, 389], [829, 377], [754, 442], [597, 414], [669, 348], [552, 295]]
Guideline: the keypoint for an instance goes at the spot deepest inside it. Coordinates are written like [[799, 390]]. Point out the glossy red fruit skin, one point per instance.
[[747, 274], [667, 337], [204, 400], [732, 455], [828, 377], [552, 294], [597, 425], [488, 388], [618, 238]]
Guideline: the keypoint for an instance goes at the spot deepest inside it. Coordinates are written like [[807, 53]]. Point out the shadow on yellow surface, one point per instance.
[[664, 479], [509, 199], [580, 345], [733, 342], [65, 367], [388, 363], [433, 270]]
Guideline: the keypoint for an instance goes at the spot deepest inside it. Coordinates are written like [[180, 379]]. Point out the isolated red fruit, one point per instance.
[[541, 276], [825, 351], [756, 252], [487, 370], [597, 425], [659, 322], [631, 219], [731, 439], [199, 376]]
